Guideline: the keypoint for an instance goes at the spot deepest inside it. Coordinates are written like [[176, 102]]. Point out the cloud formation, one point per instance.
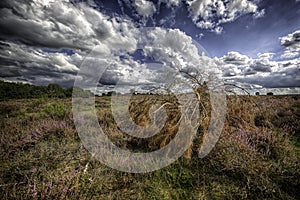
[[39, 34], [20, 62], [292, 44], [206, 14], [171, 3], [261, 71], [211, 14], [144, 8], [47, 43], [62, 25]]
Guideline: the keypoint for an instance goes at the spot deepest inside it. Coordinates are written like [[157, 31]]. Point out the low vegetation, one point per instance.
[[19, 91], [257, 156]]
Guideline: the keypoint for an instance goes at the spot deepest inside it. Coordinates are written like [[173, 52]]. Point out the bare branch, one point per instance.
[[239, 87]]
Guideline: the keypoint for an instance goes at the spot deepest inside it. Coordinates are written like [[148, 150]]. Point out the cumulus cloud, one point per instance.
[[290, 54], [170, 51], [236, 58], [41, 32], [34, 28], [62, 25], [19, 62], [172, 47], [234, 64], [262, 71], [244, 65], [177, 50], [292, 44], [210, 14], [145, 8], [263, 63], [171, 3], [292, 40], [284, 78], [206, 14], [259, 14]]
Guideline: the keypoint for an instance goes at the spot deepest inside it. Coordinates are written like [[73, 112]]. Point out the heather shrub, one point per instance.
[[58, 110], [256, 157]]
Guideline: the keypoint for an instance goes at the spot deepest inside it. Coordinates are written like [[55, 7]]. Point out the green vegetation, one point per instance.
[[257, 156], [25, 91]]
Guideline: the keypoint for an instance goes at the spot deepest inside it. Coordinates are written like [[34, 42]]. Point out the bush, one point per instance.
[[57, 110]]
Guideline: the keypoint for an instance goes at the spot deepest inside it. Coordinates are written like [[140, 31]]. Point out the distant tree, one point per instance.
[[111, 93], [10, 90], [270, 93], [54, 90], [68, 92], [79, 92]]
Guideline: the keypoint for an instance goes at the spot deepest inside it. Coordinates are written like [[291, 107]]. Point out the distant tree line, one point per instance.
[[10, 90]]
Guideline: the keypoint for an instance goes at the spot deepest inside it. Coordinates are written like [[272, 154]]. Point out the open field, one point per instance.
[[257, 156]]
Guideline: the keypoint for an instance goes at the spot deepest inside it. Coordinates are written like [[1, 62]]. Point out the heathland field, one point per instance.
[[256, 157]]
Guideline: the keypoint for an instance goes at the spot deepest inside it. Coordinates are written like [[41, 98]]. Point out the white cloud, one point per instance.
[[172, 48], [57, 26], [64, 25], [292, 44], [171, 3], [176, 50], [236, 58], [209, 14], [144, 8], [80, 27], [291, 40], [259, 14], [263, 71], [206, 14], [266, 56], [290, 54]]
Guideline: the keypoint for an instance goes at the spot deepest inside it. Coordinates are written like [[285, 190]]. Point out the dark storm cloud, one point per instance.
[[110, 78], [19, 62], [23, 55], [261, 67], [34, 75], [283, 79], [61, 25], [35, 25]]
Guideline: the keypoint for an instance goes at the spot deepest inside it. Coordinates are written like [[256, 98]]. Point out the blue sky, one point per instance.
[[250, 42], [247, 34]]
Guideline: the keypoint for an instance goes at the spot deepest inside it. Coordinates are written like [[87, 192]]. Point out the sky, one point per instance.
[[142, 43]]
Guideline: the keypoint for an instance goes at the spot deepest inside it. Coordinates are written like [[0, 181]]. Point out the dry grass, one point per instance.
[[257, 156]]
